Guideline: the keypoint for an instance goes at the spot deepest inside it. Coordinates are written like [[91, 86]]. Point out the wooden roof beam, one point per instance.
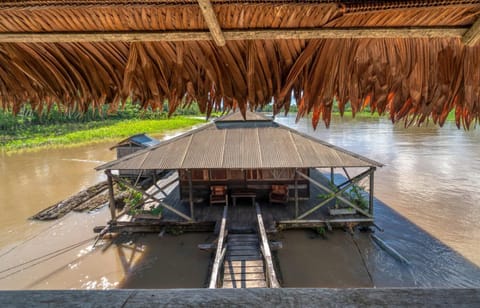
[[472, 36], [176, 36], [212, 22]]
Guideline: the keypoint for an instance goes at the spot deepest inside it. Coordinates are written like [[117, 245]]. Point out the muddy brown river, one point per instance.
[[427, 202]]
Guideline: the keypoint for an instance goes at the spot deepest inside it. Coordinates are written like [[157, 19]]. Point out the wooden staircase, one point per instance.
[[243, 265]]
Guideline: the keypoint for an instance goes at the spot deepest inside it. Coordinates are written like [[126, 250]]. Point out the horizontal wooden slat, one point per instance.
[[238, 270], [271, 34]]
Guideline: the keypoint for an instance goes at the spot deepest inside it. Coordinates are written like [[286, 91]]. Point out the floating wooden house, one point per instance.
[[131, 145], [255, 161]]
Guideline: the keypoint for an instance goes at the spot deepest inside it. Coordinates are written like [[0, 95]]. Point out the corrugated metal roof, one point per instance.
[[141, 140], [241, 148], [249, 116]]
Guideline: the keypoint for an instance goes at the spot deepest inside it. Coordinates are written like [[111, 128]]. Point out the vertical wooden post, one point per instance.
[[111, 195], [370, 205], [296, 193], [190, 194], [332, 176]]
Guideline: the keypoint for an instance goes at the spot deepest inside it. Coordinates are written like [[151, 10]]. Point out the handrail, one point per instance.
[[220, 252], [272, 281]]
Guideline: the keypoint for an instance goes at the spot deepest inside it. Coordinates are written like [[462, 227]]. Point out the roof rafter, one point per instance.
[[318, 33], [472, 36], [212, 21]]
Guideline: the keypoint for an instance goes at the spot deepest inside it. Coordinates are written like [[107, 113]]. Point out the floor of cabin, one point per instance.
[[243, 217]]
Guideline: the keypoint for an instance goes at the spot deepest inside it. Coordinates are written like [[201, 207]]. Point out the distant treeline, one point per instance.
[[27, 118]]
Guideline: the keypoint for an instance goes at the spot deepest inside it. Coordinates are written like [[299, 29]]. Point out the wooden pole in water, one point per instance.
[[370, 203], [111, 194], [296, 193], [190, 194]]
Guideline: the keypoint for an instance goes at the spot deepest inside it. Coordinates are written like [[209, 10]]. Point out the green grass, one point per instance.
[[41, 136]]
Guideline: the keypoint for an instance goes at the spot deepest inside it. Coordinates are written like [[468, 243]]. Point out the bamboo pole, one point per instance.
[[111, 195], [212, 22], [472, 36], [235, 35]]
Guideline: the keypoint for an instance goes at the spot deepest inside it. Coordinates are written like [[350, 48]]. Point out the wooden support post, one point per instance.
[[212, 22], [472, 36], [370, 202], [296, 193], [332, 176], [111, 195], [346, 173], [190, 194]]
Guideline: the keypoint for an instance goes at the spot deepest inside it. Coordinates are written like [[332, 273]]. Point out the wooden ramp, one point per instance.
[[243, 265], [244, 259]]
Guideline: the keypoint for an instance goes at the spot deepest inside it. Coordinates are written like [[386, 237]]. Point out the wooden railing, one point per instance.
[[272, 281], [220, 251]]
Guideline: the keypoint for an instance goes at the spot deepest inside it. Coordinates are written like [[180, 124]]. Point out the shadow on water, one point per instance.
[[340, 259], [170, 261]]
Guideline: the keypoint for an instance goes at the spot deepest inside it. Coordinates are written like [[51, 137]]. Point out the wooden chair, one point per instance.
[[218, 194], [279, 194]]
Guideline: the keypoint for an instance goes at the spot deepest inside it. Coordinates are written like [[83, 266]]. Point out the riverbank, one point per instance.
[[69, 134]]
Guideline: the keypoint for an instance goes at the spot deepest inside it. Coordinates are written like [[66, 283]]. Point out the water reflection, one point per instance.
[[431, 174]]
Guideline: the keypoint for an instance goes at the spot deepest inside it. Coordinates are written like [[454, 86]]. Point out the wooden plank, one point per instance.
[[249, 253], [244, 258], [472, 36], [212, 22], [238, 270], [242, 263], [243, 277], [220, 251], [243, 247], [245, 284], [289, 297], [267, 254], [235, 35]]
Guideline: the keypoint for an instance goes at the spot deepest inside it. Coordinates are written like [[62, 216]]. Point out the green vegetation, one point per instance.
[[355, 194], [57, 128]]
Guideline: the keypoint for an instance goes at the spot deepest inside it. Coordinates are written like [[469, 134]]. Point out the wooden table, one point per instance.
[[243, 194]]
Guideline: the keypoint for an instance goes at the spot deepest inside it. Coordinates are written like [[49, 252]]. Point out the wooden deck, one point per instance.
[[242, 217]]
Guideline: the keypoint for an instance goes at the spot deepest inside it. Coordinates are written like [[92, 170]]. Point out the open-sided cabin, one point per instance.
[[255, 159]]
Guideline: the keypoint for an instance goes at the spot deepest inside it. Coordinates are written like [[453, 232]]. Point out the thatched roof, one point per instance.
[[405, 57], [240, 147]]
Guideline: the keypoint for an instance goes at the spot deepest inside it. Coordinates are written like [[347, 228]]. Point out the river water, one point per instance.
[[427, 201]]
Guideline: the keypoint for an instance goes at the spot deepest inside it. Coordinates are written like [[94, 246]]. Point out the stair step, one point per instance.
[[241, 269], [243, 277], [245, 284], [244, 258], [243, 253], [243, 247], [249, 263]]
